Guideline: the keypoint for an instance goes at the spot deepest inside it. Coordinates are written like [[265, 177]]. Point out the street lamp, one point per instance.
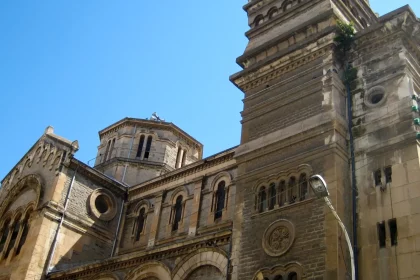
[[319, 186]]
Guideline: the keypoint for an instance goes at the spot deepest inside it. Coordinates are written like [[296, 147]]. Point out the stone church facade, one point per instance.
[[152, 208]]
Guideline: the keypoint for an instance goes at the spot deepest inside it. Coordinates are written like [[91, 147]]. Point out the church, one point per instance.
[[152, 208]]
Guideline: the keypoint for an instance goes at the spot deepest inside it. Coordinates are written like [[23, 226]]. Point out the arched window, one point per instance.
[[14, 236], [292, 276], [278, 277], [177, 213], [292, 190], [303, 187], [111, 148], [4, 234], [106, 151], [262, 199], [140, 148], [220, 200], [178, 157], [184, 157], [258, 20], [363, 23], [25, 231], [148, 146], [272, 196], [140, 223], [287, 5], [282, 190], [273, 12]]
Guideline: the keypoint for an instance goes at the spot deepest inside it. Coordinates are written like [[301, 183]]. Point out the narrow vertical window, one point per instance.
[[139, 149], [148, 145], [282, 190], [4, 234], [303, 187], [13, 238], [25, 232], [177, 213], [220, 200], [262, 200], [292, 191], [388, 174], [381, 234], [272, 196], [111, 148], [106, 151], [178, 156], [377, 175], [184, 157], [393, 231], [140, 223]]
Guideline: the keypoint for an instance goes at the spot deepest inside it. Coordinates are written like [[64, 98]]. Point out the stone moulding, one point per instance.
[[278, 238], [181, 174]]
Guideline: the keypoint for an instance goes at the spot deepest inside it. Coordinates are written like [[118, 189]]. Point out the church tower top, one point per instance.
[[273, 21]]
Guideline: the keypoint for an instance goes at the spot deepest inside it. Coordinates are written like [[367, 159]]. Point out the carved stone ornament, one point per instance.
[[278, 238]]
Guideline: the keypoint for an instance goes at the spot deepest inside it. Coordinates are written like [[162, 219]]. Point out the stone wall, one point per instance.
[[385, 143]]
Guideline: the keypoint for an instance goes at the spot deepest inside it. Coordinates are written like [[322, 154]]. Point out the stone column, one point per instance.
[[156, 220], [195, 207]]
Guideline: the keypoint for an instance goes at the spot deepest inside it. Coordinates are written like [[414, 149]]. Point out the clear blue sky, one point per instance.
[[82, 65]]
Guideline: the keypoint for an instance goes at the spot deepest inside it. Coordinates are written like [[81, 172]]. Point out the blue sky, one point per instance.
[[82, 65]]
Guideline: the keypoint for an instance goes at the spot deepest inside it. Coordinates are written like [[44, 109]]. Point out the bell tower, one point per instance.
[[294, 125]]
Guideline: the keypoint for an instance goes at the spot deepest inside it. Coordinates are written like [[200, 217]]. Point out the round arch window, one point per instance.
[[375, 96], [102, 205]]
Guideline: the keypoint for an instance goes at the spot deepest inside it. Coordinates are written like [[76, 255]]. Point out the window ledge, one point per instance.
[[285, 207]]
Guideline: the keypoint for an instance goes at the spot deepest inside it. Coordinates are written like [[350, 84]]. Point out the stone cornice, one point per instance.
[[135, 161], [282, 38], [135, 259], [191, 169], [254, 80], [97, 176]]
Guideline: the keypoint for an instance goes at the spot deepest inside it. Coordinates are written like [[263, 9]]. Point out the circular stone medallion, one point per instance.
[[278, 238]]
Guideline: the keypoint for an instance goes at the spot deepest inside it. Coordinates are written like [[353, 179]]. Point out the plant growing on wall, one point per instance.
[[344, 42]]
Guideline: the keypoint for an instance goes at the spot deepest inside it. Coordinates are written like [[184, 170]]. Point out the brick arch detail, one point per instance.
[[204, 257]]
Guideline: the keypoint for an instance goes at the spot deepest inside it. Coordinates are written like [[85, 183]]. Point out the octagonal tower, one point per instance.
[[137, 150]]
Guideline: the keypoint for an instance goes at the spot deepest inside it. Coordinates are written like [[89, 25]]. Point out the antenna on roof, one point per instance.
[[156, 118]]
